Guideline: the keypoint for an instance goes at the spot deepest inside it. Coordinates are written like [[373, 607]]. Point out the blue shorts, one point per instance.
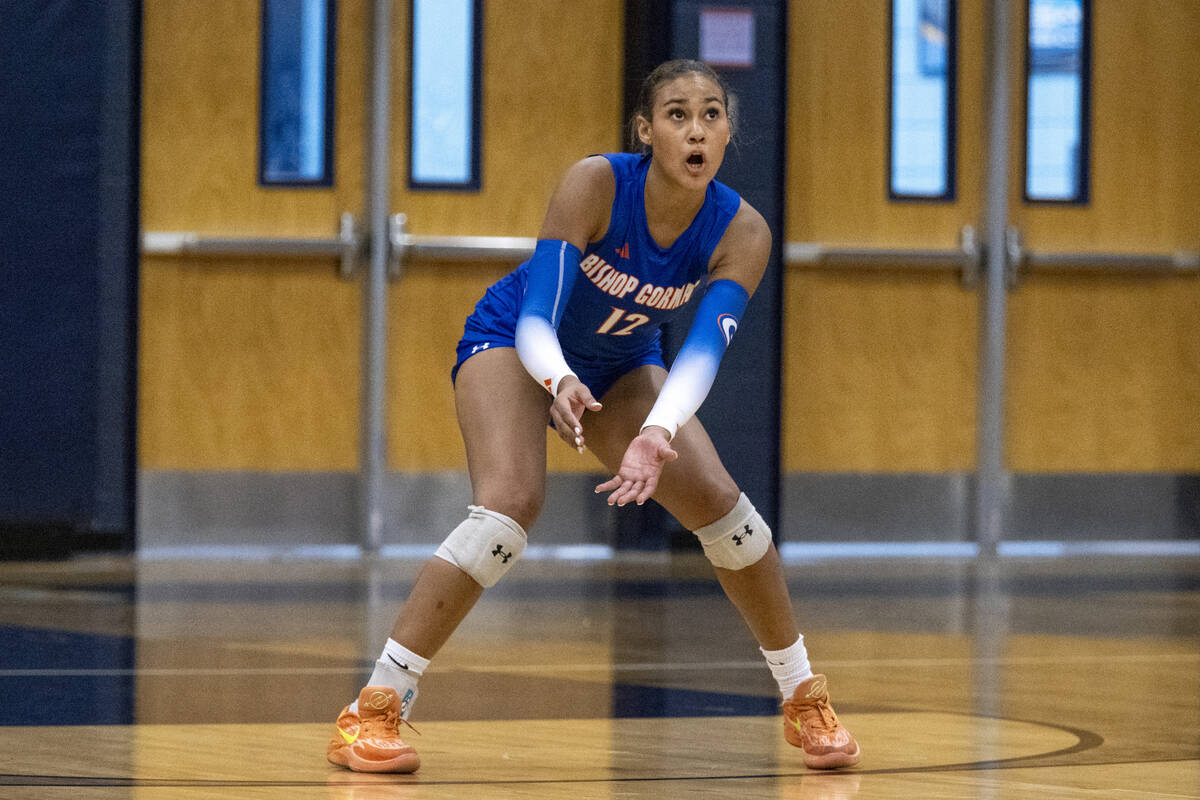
[[494, 322]]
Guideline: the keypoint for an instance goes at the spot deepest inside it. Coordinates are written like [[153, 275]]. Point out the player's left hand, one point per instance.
[[640, 469]]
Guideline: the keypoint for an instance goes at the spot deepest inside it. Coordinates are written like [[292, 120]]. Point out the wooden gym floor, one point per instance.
[[1016, 678]]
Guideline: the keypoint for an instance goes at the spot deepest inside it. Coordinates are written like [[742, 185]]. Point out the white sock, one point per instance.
[[789, 666], [399, 668]]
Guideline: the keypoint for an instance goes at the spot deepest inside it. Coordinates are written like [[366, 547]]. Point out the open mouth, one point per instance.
[[696, 160]]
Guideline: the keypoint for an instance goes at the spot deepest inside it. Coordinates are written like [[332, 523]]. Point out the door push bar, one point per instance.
[[408, 247], [1021, 261], [966, 259], [349, 248]]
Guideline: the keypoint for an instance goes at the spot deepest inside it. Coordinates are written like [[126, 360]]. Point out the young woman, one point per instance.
[[627, 240]]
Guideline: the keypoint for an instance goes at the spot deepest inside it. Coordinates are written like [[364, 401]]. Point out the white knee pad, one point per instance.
[[738, 539], [485, 545]]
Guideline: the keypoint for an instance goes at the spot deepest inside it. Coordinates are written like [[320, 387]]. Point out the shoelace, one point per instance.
[[824, 713], [390, 721], [829, 719]]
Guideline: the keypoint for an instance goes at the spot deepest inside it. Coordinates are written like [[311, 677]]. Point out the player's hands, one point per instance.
[[572, 400], [640, 469]]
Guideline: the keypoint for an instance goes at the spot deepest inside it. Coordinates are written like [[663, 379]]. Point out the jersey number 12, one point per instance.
[[619, 315]]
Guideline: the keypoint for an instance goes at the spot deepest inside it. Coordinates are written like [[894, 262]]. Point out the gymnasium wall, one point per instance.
[[1104, 373], [251, 367], [245, 364], [881, 368]]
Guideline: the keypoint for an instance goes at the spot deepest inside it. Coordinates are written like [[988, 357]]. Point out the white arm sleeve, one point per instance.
[[695, 368], [552, 272], [540, 352]]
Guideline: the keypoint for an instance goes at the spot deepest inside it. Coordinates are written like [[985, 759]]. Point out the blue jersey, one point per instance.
[[628, 286]]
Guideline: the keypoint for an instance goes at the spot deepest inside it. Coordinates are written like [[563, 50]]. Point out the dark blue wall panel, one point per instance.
[[68, 258]]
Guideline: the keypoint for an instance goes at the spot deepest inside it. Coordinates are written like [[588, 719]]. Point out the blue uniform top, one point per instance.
[[628, 286]]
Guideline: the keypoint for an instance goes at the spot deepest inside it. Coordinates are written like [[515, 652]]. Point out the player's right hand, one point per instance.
[[566, 411]]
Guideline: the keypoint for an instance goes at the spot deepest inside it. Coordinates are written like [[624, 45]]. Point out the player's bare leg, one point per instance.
[[502, 415], [697, 490]]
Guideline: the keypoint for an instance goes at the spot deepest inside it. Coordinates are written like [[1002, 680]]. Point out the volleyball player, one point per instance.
[[571, 338]]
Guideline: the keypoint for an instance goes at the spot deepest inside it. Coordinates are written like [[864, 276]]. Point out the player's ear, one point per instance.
[[643, 131]]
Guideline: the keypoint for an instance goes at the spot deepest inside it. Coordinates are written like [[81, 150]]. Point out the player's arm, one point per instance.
[[578, 213], [736, 267]]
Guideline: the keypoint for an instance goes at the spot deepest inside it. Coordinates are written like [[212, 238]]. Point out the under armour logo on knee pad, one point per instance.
[[738, 537], [484, 545]]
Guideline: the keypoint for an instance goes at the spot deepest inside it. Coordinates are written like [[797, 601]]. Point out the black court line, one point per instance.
[[1087, 740], [404, 780], [936, 586]]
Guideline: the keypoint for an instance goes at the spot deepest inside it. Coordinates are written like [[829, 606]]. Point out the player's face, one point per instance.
[[689, 129]]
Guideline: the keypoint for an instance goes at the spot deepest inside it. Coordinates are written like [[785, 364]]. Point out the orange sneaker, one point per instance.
[[369, 741], [810, 724]]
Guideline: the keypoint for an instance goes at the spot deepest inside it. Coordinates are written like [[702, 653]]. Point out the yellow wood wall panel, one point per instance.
[[1104, 372], [1125, 399], [1104, 375], [243, 364], [1145, 173], [200, 125], [837, 135], [880, 376], [552, 94], [879, 370], [427, 310], [238, 372]]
